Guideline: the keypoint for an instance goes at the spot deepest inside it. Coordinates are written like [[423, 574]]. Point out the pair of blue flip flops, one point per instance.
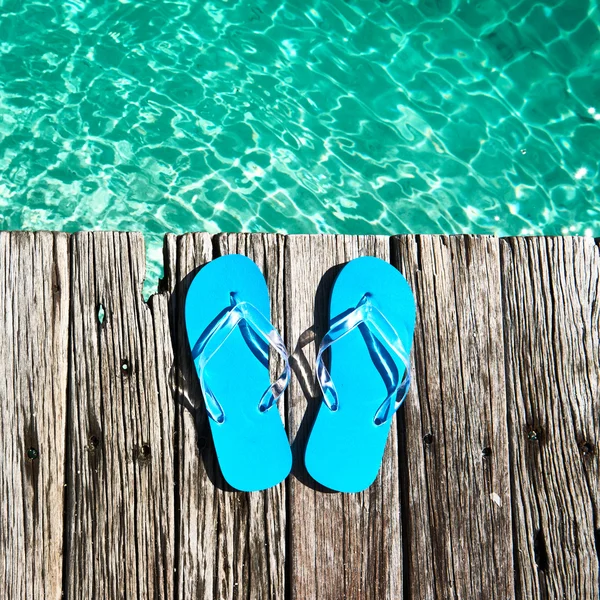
[[372, 318]]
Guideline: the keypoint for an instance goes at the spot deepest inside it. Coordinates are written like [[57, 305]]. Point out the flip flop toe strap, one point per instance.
[[383, 341], [213, 338]]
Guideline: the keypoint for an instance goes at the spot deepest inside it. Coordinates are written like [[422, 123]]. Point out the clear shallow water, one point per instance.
[[352, 116]]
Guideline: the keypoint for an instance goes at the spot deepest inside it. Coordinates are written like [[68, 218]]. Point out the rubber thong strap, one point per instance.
[[367, 313], [213, 338]]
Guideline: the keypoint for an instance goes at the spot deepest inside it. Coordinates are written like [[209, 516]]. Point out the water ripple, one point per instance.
[[347, 116]]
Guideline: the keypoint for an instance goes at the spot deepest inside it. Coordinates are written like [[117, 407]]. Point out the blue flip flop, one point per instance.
[[372, 320], [227, 316]]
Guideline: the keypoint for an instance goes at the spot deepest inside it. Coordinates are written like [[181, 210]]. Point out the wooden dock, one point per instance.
[[109, 488]]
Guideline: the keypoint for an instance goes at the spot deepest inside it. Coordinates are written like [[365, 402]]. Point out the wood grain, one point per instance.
[[34, 328], [339, 545], [232, 544], [455, 472], [551, 293], [253, 526], [197, 497], [495, 459], [120, 527]]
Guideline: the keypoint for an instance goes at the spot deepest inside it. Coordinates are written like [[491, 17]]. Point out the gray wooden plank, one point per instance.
[[34, 328], [455, 442], [197, 503], [253, 525], [120, 527], [196, 496], [232, 544], [340, 545], [550, 289]]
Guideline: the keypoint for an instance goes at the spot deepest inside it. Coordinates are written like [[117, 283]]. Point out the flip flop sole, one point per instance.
[[252, 446], [345, 447]]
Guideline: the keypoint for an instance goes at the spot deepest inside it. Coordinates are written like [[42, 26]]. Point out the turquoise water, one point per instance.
[[352, 116]]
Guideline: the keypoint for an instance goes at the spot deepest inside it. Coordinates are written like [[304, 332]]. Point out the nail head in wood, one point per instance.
[[587, 449], [143, 452]]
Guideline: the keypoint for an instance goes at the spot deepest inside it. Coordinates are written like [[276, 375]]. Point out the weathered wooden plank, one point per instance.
[[340, 545], [252, 526], [196, 496], [455, 462], [551, 293], [120, 524], [34, 327], [232, 544]]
